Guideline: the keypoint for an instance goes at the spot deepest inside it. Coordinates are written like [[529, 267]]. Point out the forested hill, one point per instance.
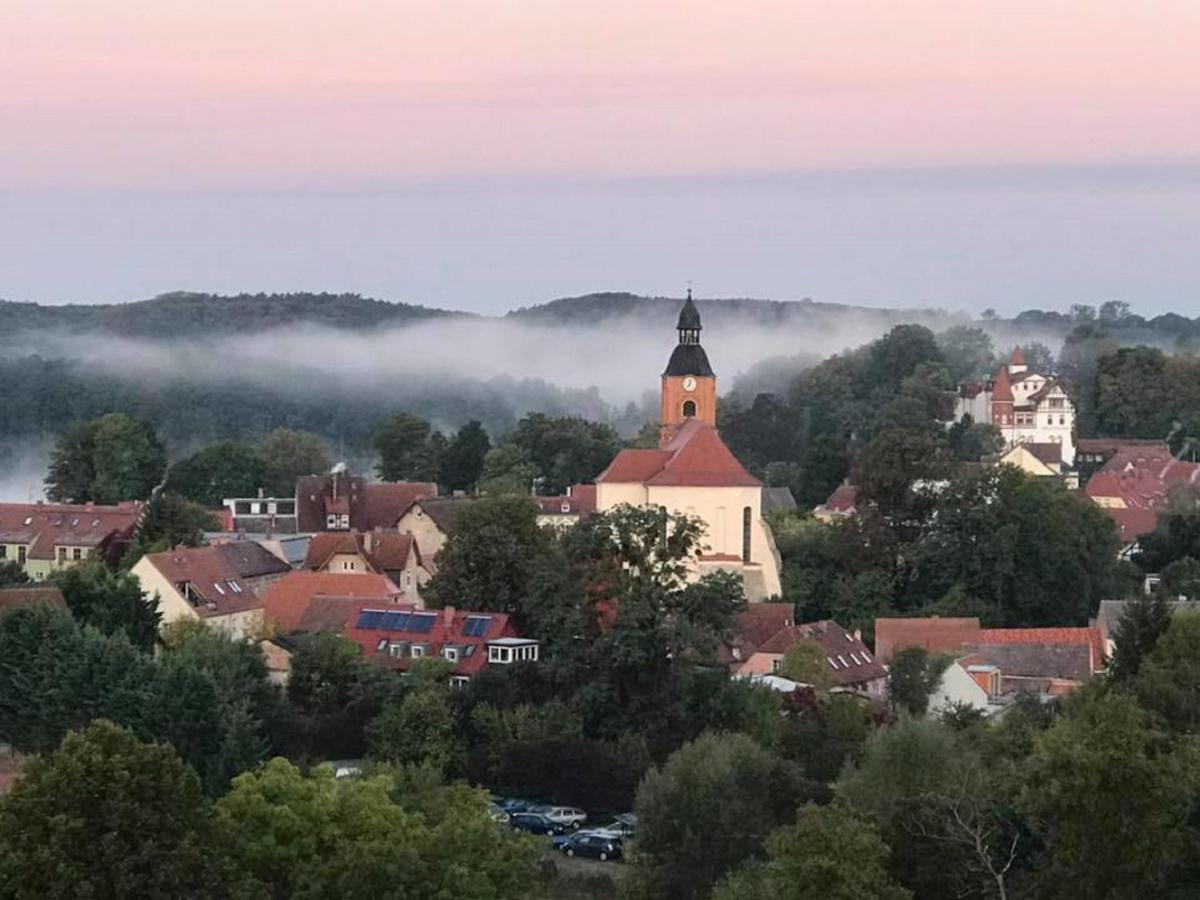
[[184, 313], [596, 309]]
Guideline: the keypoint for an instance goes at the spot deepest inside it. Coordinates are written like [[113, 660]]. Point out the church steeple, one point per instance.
[[689, 385]]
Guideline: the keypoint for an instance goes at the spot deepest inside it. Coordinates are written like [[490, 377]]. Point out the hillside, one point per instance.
[[184, 313]]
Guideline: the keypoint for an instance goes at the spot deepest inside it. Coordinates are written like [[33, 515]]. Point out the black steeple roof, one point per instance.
[[689, 357]]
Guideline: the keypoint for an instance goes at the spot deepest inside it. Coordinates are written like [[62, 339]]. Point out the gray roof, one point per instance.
[[689, 316], [1072, 662], [1111, 612], [774, 498], [688, 359]]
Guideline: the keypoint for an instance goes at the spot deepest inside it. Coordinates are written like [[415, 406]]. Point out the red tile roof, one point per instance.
[[1002, 388], [30, 595], [935, 634], [849, 661], [1018, 356], [843, 499], [369, 505], [1133, 486], [217, 579], [287, 599], [580, 501], [448, 628], [44, 526], [694, 457]]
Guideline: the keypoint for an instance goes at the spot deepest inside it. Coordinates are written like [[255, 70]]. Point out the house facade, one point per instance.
[[341, 501], [390, 553], [44, 538], [1027, 407], [852, 667], [222, 585], [694, 473]]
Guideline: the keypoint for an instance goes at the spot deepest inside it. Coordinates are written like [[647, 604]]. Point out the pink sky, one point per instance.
[[224, 94]]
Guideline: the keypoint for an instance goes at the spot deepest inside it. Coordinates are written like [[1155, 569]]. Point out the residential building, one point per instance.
[[935, 634], [693, 472], [1040, 461], [1027, 407], [1133, 487], [843, 502], [222, 585], [568, 509], [851, 665], [429, 520], [288, 600], [755, 625], [387, 553], [46, 537], [278, 659], [341, 501], [261, 514], [31, 595]]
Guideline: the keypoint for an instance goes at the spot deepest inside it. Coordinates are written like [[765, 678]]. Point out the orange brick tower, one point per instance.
[[689, 387]]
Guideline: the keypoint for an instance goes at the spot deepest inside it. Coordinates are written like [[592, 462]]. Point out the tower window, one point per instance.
[[746, 513], [689, 409]]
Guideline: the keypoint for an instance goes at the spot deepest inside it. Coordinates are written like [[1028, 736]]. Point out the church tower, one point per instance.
[[689, 387]]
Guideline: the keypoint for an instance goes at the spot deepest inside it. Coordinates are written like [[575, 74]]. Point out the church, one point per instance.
[[693, 472]]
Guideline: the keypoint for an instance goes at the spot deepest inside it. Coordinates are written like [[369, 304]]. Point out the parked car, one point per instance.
[[498, 813], [515, 804], [588, 843], [566, 815], [535, 823], [622, 826]]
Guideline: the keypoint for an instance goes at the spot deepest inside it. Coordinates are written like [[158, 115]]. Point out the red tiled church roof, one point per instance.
[[695, 457]]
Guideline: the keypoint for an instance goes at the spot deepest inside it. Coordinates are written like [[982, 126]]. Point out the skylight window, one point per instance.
[[237, 588], [832, 664], [220, 590]]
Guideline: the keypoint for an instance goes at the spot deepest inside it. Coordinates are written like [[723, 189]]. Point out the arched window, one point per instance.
[[746, 534], [689, 409]]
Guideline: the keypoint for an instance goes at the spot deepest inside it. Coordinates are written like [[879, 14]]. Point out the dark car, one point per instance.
[[535, 823], [598, 846]]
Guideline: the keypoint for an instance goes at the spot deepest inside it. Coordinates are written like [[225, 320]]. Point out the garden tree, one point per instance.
[[1167, 681], [462, 460], [508, 469], [894, 470], [566, 450], [169, 521], [315, 836], [107, 816], [489, 555], [967, 352], [110, 601], [829, 854], [1031, 551], [940, 808], [913, 676], [822, 732], [225, 470], [643, 619], [1078, 362], [1133, 394], [1181, 579], [1110, 798], [806, 664], [333, 695], [409, 450], [106, 460], [1176, 534], [1145, 620], [970, 441], [12, 574], [293, 454], [898, 353], [705, 811], [420, 725]]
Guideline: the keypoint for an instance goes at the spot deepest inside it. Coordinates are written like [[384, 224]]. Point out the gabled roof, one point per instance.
[[383, 551], [695, 457], [844, 499], [933, 633], [468, 631], [1133, 486], [849, 661], [44, 526], [1067, 662], [369, 505], [755, 625], [1049, 637], [215, 578], [580, 501], [31, 595], [442, 511], [287, 599]]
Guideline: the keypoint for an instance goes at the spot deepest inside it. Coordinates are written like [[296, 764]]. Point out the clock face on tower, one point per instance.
[[689, 383]]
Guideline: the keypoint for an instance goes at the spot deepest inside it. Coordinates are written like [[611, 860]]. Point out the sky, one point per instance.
[[486, 154]]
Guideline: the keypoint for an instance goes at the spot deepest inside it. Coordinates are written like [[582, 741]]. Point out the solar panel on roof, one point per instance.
[[370, 618], [476, 626], [394, 621], [421, 623]]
